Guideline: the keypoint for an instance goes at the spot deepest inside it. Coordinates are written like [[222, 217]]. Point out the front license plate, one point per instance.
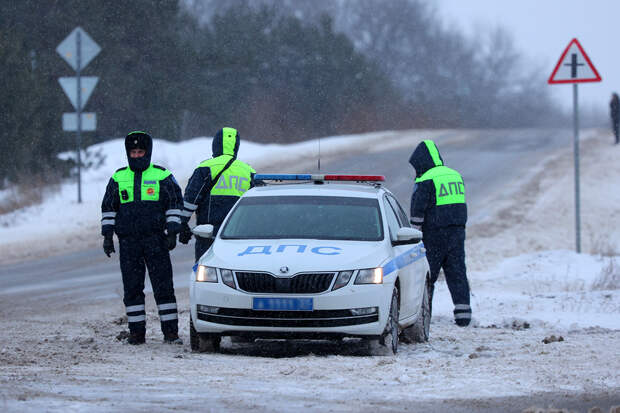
[[289, 304]]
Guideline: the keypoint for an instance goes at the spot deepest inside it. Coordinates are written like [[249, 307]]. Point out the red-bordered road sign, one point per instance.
[[574, 66]]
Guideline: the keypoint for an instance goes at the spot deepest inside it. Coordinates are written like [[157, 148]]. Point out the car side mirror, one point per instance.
[[406, 235], [203, 231]]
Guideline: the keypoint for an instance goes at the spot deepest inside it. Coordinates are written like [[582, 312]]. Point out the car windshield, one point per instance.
[[314, 217]]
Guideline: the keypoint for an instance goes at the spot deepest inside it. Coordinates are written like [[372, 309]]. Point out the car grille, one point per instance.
[[316, 318], [260, 282]]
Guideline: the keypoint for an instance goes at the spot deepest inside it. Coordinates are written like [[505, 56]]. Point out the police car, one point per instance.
[[312, 256]]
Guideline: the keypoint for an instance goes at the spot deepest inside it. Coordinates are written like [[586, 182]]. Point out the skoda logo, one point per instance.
[[284, 269]]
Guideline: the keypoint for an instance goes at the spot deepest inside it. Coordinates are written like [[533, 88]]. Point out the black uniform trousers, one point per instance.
[[152, 251], [445, 248]]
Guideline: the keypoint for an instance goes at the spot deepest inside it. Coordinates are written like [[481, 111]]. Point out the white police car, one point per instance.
[[318, 256]]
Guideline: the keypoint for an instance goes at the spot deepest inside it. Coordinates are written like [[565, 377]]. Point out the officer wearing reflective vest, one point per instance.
[[438, 208], [215, 186], [143, 205]]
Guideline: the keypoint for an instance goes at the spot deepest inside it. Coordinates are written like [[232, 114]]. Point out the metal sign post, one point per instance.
[[575, 67], [78, 43], [78, 49], [576, 156]]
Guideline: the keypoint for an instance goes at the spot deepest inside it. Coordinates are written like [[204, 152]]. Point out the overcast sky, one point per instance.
[[543, 28]]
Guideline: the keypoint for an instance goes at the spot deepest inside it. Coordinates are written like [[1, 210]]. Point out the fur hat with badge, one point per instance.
[[139, 140]]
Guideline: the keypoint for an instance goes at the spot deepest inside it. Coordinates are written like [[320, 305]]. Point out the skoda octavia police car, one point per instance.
[[312, 256]]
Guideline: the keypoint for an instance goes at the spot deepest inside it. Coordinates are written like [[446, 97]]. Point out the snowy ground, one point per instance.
[[527, 285]]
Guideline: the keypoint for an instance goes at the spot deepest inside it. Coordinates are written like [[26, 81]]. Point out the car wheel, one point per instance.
[[419, 331], [203, 342], [389, 339]]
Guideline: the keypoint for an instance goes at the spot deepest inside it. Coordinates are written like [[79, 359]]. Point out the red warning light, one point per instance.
[[354, 178]]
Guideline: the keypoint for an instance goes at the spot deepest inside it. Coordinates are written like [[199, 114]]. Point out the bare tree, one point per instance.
[[445, 78]]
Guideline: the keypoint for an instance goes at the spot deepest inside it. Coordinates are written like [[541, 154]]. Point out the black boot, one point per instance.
[[172, 338], [136, 337], [462, 314]]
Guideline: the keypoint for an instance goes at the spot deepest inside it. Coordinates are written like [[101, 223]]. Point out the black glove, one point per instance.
[[108, 245], [185, 235], [172, 240]]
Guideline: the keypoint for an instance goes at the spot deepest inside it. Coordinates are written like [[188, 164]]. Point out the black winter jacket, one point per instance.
[[142, 217], [209, 208], [424, 211]]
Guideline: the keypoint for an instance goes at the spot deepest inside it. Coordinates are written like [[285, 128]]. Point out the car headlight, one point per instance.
[[227, 278], [209, 275], [370, 276], [206, 274], [342, 279]]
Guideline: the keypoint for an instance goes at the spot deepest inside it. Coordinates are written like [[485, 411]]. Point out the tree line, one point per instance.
[[278, 70]]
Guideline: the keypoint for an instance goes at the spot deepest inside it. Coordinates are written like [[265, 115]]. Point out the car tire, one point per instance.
[[203, 342], [389, 338], [419, 331]]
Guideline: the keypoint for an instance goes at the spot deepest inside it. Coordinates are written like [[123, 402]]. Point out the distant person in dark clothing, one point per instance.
[[614, 111], [438, 208]]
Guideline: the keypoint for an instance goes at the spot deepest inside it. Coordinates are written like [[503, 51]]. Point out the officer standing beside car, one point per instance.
[[143, 205], [438, 208], [214, 187]]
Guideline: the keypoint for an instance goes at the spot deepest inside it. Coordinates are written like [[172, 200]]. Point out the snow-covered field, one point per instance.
[[546, 319]]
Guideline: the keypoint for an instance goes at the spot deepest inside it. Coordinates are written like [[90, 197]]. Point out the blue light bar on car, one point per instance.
[[318, 177]]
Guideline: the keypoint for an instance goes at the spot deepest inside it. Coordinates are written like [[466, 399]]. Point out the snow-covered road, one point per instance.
[[59, 351]]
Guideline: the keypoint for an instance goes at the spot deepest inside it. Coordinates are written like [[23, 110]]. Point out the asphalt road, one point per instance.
[[489, 161]]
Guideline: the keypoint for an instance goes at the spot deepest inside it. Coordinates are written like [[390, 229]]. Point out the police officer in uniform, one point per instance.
[[215, 186], [438, 208], [143, 205]]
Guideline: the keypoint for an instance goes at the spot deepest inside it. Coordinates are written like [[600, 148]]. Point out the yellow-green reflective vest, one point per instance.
[[149, 187], [449, 186], [234, 181]]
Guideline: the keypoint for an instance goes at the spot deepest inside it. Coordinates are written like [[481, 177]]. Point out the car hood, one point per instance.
[[292, 256]]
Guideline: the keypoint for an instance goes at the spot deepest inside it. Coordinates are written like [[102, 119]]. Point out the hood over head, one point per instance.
[[226, 142], [424, 157], [139, 140]]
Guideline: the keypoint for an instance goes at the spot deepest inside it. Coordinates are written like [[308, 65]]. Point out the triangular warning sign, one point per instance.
[[574, 66]]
